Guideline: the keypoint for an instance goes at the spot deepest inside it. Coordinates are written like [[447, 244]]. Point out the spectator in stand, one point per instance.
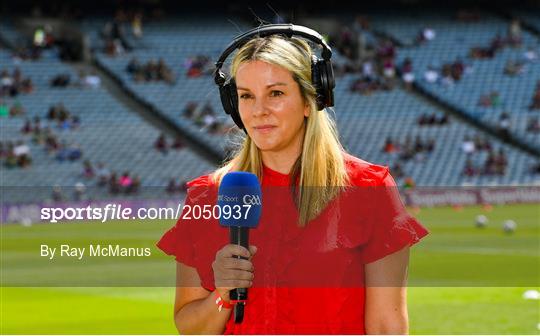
[[75, 122], [7, 84], [18, 155], [432, 119], [135, 185], [457, 69], [88, 169], [407, 149], [407, 73], [209, 120], [178, 143], [488, 52], [125, 182], [57, 195], [114, 186], [161, 144], [90, 80], [134, 66], [12, 85], [360, 28], [513, 68], [63, 117], [189, 109], [430, 146], [136, 25], [172, 188], [113, 35], [418, 144], [425, 35], [443, 120], [469, 169], [368, 72], [61, 80], [491, 100], [389, 146], [397, 170], [27, 127], [481, 143], [16, 109], [514, 33], [425, 119], [27, 86], [198, 66], [75, 152], [103, 174], [447, 78], [164, 73], [496, 44], [468, 146], [501, 162], [79, 193], [151, 71], [533, 125], [11, 158], [386, 50], [504, 125], [345, 42], [70, 151], [365, 86], [22, 152], [38, 136], [409, 183], [431, 75], [389, 72], [496, 163], [51, 141], [531, 55], [4, 110]]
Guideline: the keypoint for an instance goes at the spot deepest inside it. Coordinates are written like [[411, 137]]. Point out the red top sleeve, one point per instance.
[[391, 227], [180, 240]]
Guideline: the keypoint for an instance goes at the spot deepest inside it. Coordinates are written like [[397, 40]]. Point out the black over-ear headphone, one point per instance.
[[322, 74]]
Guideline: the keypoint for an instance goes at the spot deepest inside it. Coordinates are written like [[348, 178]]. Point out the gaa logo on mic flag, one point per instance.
[[239, 200]]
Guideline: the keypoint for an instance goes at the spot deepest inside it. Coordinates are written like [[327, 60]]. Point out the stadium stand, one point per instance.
[[109, 133], [453, 41], [123, 141]]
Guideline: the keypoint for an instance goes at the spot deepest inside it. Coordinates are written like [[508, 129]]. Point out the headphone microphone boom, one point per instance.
[[322, 73]]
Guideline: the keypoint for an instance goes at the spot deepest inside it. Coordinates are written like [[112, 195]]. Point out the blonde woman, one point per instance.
[[309, 271]]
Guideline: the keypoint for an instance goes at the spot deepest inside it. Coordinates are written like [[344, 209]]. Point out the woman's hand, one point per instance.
[[231, 272]]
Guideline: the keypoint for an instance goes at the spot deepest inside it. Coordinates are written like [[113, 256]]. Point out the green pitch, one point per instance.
[[464, 280]]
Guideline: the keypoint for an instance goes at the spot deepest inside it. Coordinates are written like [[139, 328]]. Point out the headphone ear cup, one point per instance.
[[229, 100], [327, 81], [225, 99], [316, 79], [331, 83]]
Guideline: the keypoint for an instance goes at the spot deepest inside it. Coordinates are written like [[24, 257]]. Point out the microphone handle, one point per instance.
[[239, 236]]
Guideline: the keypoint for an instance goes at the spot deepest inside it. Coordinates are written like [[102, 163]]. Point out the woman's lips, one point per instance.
[[264, 128]]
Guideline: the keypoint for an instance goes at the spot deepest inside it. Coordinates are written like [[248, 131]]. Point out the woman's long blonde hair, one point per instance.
[[320, 170]]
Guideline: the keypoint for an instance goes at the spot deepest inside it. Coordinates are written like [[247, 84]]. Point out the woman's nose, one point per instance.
[[260, 107]]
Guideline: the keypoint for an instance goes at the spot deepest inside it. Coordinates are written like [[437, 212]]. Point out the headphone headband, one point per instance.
[[286, 29]]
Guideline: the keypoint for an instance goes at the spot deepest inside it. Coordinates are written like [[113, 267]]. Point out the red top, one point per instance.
[[307, 280]]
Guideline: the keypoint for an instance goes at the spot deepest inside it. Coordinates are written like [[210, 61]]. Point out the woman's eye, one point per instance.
[[276, 93], [245, 96]]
